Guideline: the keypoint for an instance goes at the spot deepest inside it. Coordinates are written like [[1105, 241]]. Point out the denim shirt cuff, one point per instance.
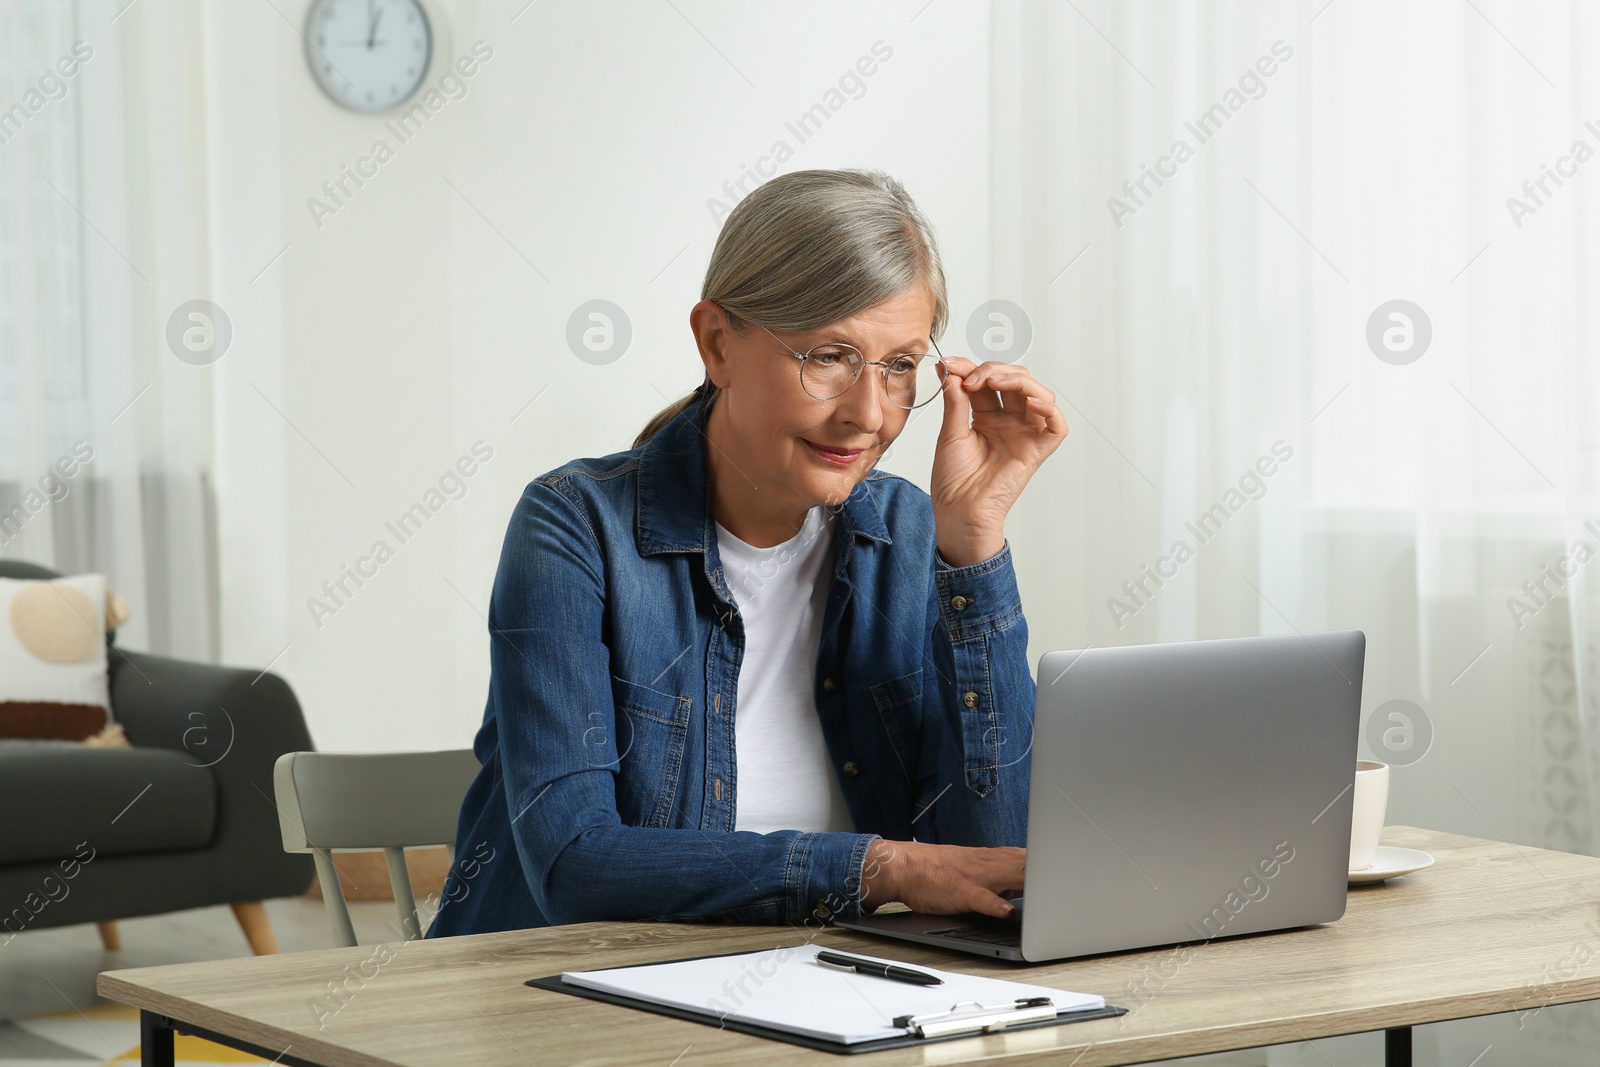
[[979, 598], [825, 872]]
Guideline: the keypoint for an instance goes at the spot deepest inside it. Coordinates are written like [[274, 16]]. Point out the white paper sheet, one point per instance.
[[787, 989]]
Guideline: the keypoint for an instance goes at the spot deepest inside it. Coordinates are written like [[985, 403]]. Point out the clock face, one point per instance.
[[369, 55]]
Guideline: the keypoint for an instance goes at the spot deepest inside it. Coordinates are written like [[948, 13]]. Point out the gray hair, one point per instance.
[[812, 247]]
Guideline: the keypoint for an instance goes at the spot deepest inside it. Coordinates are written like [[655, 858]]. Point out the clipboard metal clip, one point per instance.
[[988, 1017]]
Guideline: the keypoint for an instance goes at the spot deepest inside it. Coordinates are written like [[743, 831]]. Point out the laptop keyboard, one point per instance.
[[1000, 933]]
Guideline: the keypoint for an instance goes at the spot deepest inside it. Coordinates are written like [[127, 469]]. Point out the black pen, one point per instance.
[[882, 970]]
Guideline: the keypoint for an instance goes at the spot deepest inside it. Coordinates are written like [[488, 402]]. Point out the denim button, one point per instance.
[[959, 602], [851, 769], [971, 699], [829, 684], [822, 911]]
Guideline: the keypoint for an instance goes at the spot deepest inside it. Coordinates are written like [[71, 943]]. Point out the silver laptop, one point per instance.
[[1180, 792]]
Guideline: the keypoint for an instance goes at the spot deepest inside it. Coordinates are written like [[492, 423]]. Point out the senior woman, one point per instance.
[[736, 673]]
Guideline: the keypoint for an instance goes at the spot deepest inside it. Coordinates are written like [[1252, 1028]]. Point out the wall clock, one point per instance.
[[369, 55]]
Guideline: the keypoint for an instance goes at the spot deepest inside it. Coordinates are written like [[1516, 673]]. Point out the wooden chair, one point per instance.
[[392, 801]]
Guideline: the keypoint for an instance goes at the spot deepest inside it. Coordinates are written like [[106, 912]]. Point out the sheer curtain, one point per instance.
[[104, 432], [1203, 309]]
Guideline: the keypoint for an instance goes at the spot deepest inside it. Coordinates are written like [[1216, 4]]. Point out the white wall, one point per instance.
[[428, 310]]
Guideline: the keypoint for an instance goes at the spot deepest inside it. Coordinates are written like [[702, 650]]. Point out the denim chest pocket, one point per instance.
[[652, 728], [898, 700]]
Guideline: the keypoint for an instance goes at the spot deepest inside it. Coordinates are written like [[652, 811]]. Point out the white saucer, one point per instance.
[[1389, 862]]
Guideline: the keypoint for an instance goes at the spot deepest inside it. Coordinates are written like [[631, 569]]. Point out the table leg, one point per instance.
[[155, 1040], [1397, 1047]]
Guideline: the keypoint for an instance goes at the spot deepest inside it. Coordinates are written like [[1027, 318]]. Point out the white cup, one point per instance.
[[1366, 819]]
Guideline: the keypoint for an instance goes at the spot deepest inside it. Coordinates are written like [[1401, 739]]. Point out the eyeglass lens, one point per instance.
[[912, 380]]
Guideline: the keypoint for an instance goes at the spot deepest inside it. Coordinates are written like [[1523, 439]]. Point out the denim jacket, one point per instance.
[[608, 788]]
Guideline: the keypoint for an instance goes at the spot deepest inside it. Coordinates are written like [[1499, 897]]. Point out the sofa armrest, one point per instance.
[[235, 723]]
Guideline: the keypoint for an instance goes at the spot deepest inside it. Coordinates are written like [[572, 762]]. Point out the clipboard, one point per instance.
[[925, 1031]]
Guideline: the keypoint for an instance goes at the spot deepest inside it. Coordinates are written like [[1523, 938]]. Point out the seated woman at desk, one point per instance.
[[737, 674]]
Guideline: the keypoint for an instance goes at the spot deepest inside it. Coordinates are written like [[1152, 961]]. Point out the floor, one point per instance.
[[50, 1015]]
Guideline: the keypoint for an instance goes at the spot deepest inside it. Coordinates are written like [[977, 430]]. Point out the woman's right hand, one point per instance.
[[942, 879]]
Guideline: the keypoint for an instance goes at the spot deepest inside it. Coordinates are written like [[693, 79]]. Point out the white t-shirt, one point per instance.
[[786, 780]]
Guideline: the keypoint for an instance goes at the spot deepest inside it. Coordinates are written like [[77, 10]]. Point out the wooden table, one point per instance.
[[1490, 928]]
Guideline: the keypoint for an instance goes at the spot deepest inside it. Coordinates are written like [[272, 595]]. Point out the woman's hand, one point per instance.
[[942, 879], [999, 424]]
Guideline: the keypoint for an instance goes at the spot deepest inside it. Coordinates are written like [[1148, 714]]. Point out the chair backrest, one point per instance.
[[387, 800], [19, 568]]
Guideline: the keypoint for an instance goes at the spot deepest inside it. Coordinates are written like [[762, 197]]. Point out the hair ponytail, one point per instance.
[[704, 393]]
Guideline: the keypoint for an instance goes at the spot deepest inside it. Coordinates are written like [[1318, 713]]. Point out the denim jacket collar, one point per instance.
[[674, 507]]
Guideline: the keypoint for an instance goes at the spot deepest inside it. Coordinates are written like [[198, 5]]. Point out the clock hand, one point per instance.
[[374, 33]]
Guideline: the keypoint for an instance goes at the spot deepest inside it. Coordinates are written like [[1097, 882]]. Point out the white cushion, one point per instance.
[[53, 670]]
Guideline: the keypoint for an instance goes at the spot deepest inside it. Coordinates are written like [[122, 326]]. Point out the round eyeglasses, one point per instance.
[[829, 369]]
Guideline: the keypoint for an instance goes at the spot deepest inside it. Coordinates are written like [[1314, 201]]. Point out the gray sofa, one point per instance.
[[182, 819]]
